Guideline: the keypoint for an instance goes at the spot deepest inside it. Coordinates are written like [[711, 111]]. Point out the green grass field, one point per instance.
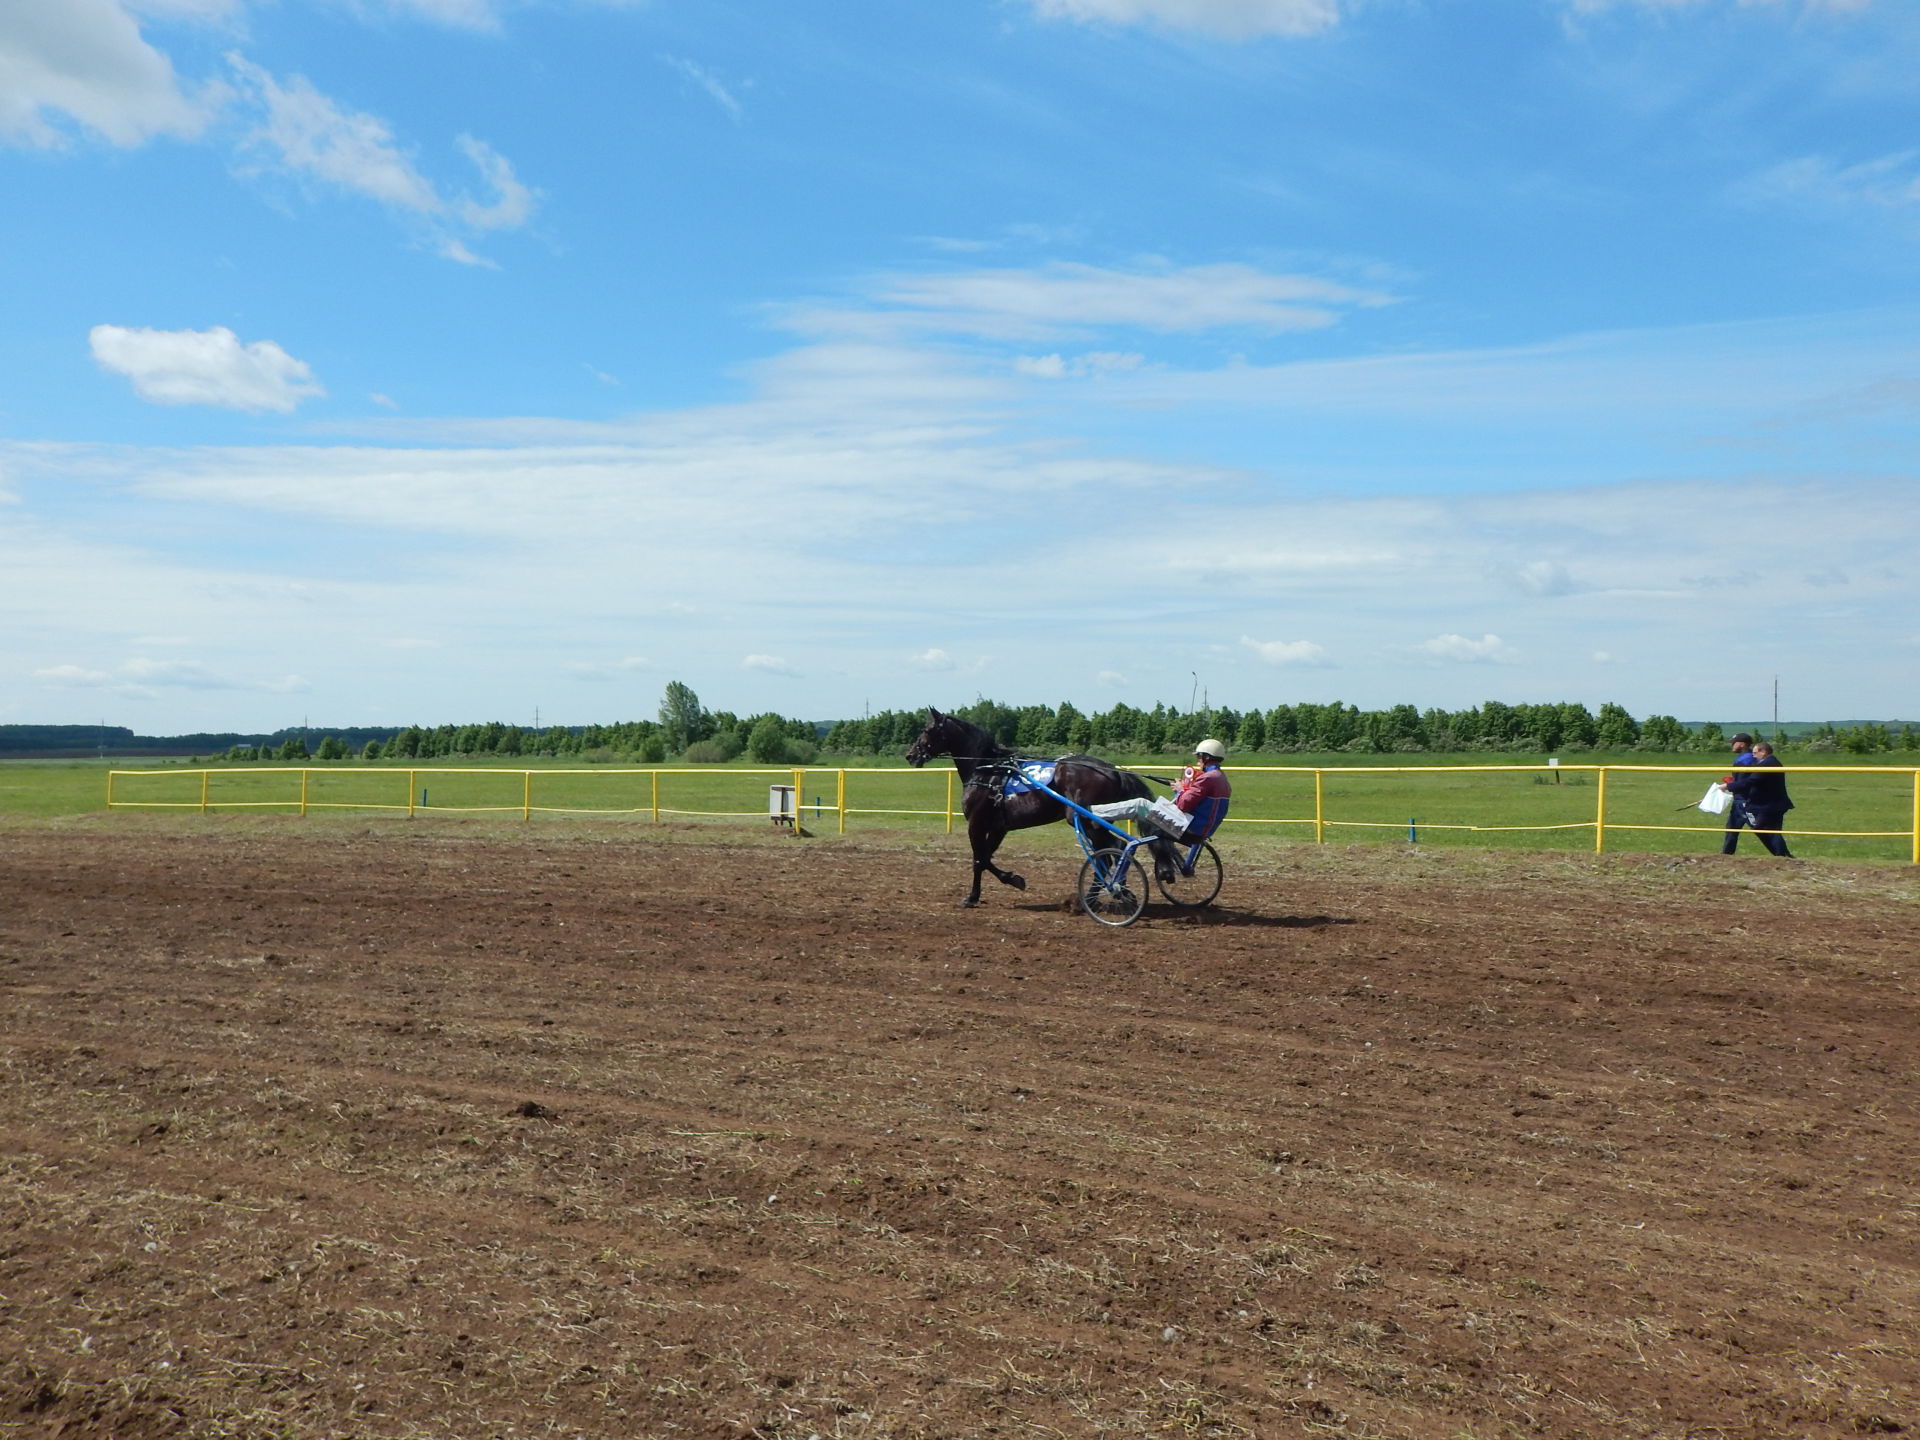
[[1446, 800]]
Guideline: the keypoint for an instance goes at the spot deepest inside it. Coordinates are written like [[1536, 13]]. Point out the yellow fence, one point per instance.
[[1262, 797]]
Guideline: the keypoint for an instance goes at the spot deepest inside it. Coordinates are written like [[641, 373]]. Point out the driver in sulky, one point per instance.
[[1200, 783]]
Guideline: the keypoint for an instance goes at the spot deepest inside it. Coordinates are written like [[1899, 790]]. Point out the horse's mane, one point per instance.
[[980, 744]]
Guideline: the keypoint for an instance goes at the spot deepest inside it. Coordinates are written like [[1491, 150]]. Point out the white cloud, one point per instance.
[[204, 367], [308, 135], [77, 676], [1113, 679], [610, 669], [706, 80], [1543, 578], [1094, 362], [1886, 182], [457, 252], [932, 660], [1838, 7], [142, 676], [1286, 652], [1488, 649], [1066, 298], [770, 664], [1040, 367], [1234, 19], [466, 14], [86, 61], [513, 202]]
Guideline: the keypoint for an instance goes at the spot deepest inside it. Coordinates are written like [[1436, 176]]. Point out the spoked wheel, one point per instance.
[[1190, 892], [1113, 887]]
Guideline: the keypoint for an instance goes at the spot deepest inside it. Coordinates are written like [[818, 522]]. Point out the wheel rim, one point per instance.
[[1191, 891], [1113, 888]]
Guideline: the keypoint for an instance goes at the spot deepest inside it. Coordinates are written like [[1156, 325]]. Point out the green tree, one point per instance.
[[1865, 739], [1663, 732], [683, 719], [1615, 728], [1253, 732], [767, 740], [331, 748]]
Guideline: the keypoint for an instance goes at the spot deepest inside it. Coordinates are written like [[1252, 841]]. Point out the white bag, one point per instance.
[[1717, 799]]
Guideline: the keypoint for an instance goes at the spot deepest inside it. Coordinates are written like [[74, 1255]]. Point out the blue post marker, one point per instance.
[[423, 797], [1413, 831]]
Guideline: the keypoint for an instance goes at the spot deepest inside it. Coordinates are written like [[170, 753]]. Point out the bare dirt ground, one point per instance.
[[315, 1129]]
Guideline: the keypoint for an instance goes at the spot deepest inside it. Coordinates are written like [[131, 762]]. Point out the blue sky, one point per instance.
[[389, 361]]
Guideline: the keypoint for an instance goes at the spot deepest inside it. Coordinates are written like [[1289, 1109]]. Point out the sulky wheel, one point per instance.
[[1190, 892], [1113, 887]]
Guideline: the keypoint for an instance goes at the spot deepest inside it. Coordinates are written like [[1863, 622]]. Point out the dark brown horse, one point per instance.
[[986, 767]]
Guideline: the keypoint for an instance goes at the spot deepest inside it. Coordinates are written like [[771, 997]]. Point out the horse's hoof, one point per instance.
[[1017, 881], [969, 903]]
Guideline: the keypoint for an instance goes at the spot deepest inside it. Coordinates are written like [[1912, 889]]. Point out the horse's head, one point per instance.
[[935, 740]]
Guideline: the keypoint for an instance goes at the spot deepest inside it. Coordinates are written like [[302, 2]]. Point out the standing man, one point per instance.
[[1736, 813], [1760, 795]]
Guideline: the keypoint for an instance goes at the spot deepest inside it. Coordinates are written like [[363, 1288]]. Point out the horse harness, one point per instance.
[[993, 773]]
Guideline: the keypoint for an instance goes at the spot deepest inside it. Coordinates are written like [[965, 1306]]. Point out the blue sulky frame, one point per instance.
[[1113, 882]]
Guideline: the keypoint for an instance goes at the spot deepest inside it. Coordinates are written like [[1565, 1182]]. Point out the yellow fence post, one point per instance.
[[526, 795], [1916, 816], [656, 797], [412, 790], [1600, 815], [206, 776], [1916, 781], [843, 802], [1319, 811], [799, 781], [303, 792], [949, 802]]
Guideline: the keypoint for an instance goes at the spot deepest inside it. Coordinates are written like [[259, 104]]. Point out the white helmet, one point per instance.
[[1212, 749]]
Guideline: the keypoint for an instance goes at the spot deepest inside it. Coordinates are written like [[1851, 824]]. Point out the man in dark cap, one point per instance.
[[1742, 744]]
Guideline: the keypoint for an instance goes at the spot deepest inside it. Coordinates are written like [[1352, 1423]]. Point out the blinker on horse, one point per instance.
[[986, 766]]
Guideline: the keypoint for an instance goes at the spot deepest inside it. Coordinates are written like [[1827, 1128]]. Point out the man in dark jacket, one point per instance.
[[1760, 799]]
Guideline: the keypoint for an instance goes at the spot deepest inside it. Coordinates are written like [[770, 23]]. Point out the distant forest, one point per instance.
[[687, 731]]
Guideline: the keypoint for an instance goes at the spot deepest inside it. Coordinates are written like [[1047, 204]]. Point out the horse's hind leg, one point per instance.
[[985, 857], [1005, 877], [985, 842]]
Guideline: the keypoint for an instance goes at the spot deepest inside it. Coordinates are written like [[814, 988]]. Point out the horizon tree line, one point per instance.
[[686, 731]]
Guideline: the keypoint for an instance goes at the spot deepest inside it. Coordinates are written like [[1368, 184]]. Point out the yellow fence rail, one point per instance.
[[676, 793]]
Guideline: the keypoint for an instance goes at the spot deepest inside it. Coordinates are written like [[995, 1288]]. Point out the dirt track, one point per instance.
[[315, 1130]]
